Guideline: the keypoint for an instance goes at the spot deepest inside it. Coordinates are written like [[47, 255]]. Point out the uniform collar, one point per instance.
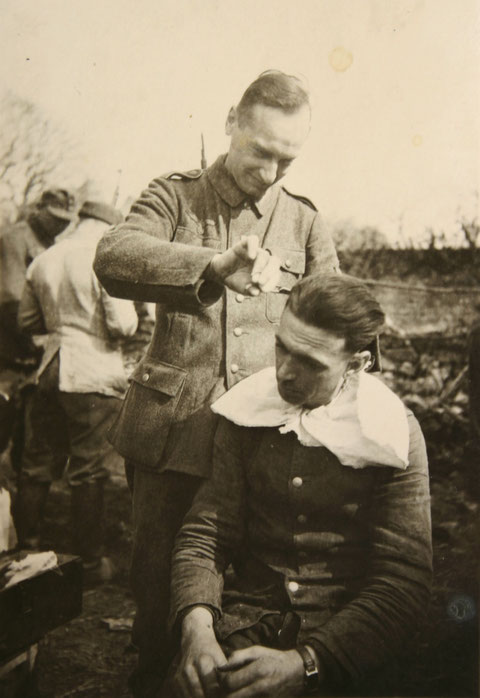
[[225, 185]]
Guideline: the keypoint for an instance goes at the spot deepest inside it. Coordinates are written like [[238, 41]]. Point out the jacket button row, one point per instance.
[[234, 368], [297, 482], [145, 377], [239, 297], [238, 331], [288, 263], [293, 586], [302, 519]]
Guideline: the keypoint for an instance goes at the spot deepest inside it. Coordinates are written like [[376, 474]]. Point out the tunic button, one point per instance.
[[239, 297], [238, 331], [302, 554], [145, 376], [234, 368], [288, 263], [301, 518], [293, 586], [297, 482]]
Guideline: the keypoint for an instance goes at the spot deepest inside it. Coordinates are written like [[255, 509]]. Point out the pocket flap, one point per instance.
[[160, 376], [290, 260]]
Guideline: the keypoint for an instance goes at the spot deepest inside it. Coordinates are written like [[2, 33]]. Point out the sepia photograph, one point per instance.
[[239, 348]]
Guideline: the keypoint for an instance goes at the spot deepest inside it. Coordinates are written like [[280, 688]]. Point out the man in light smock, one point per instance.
[[81, 382]]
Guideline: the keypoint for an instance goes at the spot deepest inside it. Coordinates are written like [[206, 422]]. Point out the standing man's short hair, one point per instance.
[[274, 89]]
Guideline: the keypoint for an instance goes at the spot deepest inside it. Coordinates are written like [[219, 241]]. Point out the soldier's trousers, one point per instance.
[[75, 425], [160, 501]]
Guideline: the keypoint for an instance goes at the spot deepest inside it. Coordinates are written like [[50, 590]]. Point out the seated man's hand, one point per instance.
[[260, 671], [196, 676], [246, 267]]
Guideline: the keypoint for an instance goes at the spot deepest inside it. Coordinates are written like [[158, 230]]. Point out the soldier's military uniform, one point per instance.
[[206, 338]]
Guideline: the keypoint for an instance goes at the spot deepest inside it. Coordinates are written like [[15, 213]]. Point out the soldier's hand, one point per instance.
[[201, 655], [246, 267], [262, 671]]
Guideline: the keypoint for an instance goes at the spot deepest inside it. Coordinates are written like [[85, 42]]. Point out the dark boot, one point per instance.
[[28, 512], [88, 531]]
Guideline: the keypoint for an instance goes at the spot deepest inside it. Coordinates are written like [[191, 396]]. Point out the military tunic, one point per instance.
[[206, 337], [347, 550]]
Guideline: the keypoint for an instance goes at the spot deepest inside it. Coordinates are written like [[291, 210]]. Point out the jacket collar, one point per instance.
[[226, 187]]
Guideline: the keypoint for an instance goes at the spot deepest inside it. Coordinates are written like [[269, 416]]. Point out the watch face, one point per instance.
[[311, 679]]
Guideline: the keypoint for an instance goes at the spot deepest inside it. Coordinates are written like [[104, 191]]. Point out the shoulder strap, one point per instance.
[[191, 174], [303, 199]]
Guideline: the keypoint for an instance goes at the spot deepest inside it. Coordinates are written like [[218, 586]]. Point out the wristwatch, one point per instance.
[[311, 671]]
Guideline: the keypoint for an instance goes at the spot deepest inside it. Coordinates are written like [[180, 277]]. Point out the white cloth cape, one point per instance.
[[364, 425]]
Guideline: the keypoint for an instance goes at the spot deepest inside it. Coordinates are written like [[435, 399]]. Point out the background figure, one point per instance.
[[80, 381], [184, 246], [20, 243]]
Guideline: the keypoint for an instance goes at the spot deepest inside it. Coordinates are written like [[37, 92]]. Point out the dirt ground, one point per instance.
[[85, 658], [92, 657]]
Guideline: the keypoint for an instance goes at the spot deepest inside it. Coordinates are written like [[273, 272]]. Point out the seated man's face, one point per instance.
[[310, 362]]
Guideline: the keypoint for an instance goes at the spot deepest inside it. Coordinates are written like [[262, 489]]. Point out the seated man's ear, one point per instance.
[[360, 361], [231, 121]]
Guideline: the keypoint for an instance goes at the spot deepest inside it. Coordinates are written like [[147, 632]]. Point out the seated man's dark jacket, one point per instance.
[[206, 337], [349, 550]]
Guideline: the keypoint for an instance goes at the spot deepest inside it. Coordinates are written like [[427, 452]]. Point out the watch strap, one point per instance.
[[311, 671]]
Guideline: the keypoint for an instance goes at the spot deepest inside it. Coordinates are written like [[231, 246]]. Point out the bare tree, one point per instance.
[[34, 153], [471, 231]]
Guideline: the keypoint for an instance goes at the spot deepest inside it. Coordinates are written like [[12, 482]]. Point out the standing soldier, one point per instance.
[[218, 250]]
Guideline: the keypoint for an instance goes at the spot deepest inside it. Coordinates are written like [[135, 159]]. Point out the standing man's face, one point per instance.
[[264, 145]]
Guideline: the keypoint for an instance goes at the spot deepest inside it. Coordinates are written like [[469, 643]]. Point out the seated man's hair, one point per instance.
[[274, 89], [340, 304]]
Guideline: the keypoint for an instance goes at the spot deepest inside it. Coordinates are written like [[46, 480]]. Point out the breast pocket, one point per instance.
[[292, 269], [188, 235], [198, 232]]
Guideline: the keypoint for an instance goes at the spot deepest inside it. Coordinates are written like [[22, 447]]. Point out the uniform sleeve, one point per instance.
[[139, 260], [120, 316], [213, 529], [376, 625], [321, 254]]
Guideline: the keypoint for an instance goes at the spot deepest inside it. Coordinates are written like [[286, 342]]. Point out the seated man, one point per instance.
[[320, 499]]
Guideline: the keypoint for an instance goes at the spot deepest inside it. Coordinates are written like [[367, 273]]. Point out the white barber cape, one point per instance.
[[364, 425]]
